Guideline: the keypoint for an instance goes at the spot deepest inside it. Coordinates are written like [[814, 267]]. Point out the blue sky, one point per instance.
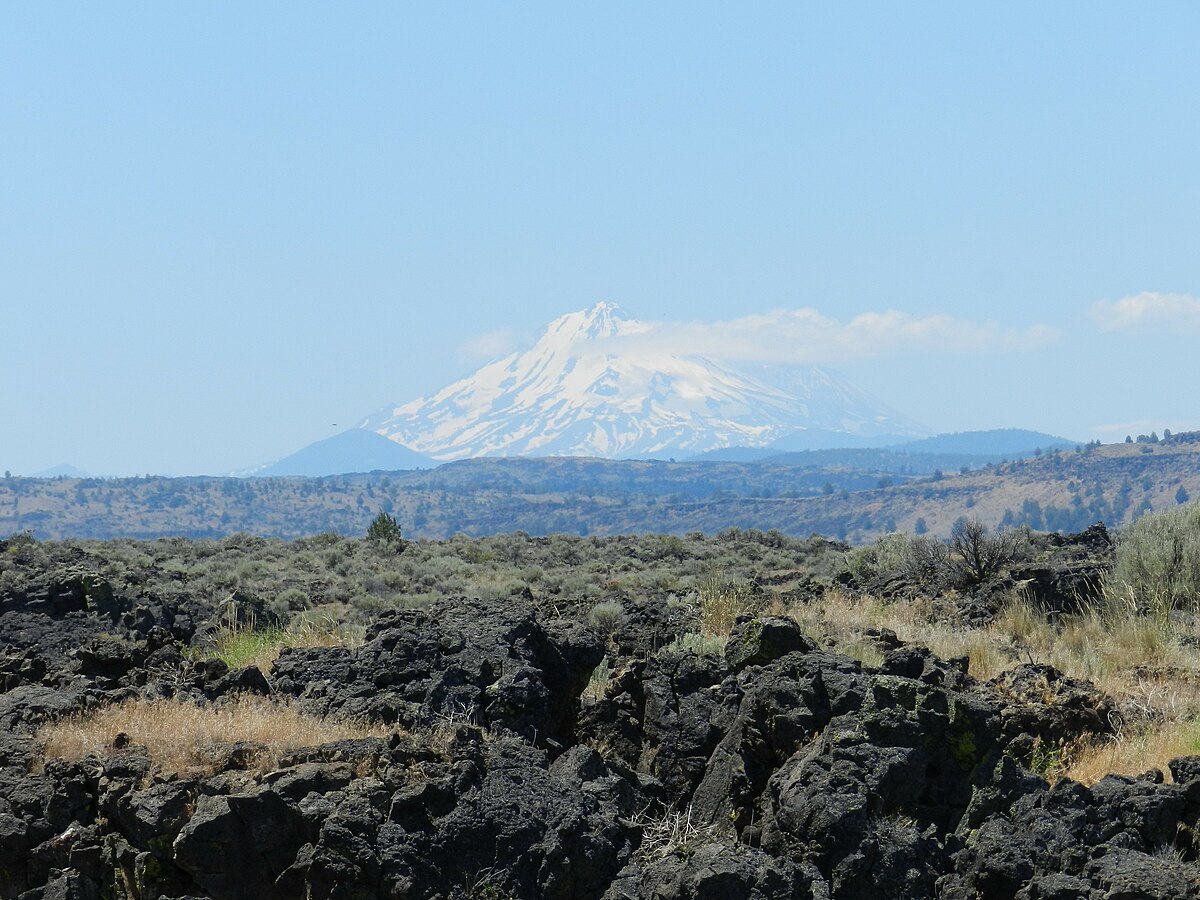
[[229, 226]]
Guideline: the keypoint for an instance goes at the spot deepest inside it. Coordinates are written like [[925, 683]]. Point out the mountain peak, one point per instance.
[[603, 320], [575, 392]]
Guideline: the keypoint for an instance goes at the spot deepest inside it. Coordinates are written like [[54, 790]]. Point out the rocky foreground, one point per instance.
[[782, 769]]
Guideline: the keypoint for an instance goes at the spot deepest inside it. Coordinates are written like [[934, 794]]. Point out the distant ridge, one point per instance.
[[355, 450], [62, 470], [823, 491], [959, 448], [987, 443], [735, 454], [820, 439]]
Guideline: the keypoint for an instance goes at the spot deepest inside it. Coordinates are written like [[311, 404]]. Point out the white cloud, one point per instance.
[[1149, 309], [488, 346], [807, 336]]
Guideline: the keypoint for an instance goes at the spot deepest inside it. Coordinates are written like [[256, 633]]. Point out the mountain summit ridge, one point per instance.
[[594, 384]]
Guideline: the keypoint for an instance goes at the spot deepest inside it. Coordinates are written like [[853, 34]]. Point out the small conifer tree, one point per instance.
[[385, 530]]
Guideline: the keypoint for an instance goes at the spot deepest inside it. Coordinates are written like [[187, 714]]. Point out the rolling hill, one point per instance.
[[354, 450]]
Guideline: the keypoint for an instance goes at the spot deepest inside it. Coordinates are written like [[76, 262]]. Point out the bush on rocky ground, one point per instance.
[[1157, 568]]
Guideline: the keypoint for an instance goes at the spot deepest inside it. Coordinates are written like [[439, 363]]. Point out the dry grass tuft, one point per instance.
[[1137, 753], [240, 645], [182, 737], [722, 600], [672, 832], [1146, 663], [1107, 649], [598, 682]]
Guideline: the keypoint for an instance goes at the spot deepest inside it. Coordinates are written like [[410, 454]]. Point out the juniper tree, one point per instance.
[[385, 530]]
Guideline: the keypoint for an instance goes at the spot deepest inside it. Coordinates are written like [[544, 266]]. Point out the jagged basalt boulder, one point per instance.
[[29, 705], [665, 717], [20, 668], [781, 709], [484, 663], [1039, 703], [758, 640], [237, 845], [640, 631], [60, 593], [1071, 578], [719, 870], [58, 614], [869, 803], [1123, 838], [863, 776]]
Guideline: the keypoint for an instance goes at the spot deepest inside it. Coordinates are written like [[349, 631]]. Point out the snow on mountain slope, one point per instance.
[[590, 387]]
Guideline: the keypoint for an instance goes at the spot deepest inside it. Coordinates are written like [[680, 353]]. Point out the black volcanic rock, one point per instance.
[[459, 660], [1071, 578], [1040, 703], [1115, 840], [720, 870], [757, 640]]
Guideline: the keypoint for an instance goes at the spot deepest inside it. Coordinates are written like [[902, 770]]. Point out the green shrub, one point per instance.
[[288, 601], [243, 644], [699, 644], [1158, 562], [884, 557], [598, 681], [239, 647], [1048, 759], [606, 617]]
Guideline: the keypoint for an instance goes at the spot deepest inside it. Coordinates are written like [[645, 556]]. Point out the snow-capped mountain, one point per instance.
[[594, 385]]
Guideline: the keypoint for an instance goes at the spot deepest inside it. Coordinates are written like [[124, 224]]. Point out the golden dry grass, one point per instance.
[[1140, 661], [1110, 651], [1132, 755], [183, 737], [722, 600]]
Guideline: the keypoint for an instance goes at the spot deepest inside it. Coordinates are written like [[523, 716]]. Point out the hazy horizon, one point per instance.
[[236, 230]]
